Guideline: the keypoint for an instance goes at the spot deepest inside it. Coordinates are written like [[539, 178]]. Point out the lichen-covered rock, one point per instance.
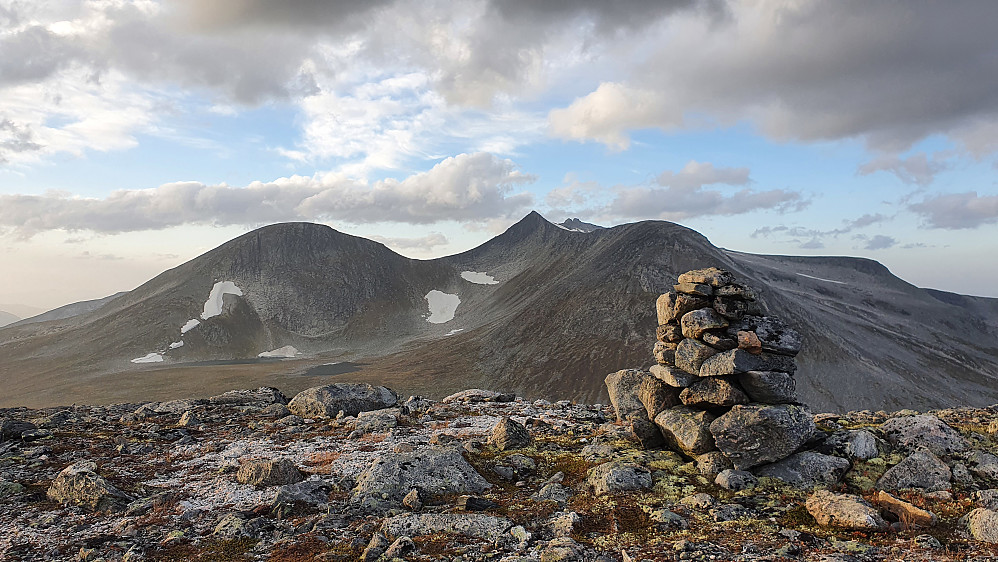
[[13, 429], [806, 469], [731, 308], [930, 432], [476, 525], [665, 306], [844, 511], [617, 476], [736, 480], [857, 444], [664, 353], [688, 303], [434, 470], [695, 323], [713, 463], [769, 387], [672, 376], [647, 433], [509, 434], [691, 354], [686, 429], [920, 469], [260, 397], [669, 333], [622, 387], [738, 361], [713, 392], [774, 335], [328, 400], [269, 472], [656, 395], [755, 434], [79, 484], [708, 276], [910, 514], [983, 525]]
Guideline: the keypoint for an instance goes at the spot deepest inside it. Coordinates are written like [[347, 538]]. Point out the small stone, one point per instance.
[[738, 361], [844, 511], [718, 342], [475, 503], [673, 376], [696, 289], [907, 513], [563, 524], [554, 492], [563, 549], [735, 480], [664, 353], [713, 392], [691, 354], [509, 434], [413, 501], [687, 430], [774, 335], [699, 502], [618, 476], [695, 323], [921, 469], [269, 472], [713, 463], [927, 542], [189, 419], [665, 306], [669, 333], [709, 276], [769, 387], [749, 341]]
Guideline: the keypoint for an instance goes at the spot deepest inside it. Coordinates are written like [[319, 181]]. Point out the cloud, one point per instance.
[[682, 195], [918, 169], [609, 112], [878, 242], [955, 211], [421, 244], [467, 187], [813, 238]]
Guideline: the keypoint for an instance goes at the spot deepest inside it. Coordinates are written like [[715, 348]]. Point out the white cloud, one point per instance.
[[609, 112], [918, 169], [955, 211]]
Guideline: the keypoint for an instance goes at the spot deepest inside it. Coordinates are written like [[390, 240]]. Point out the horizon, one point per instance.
[[135, 136]]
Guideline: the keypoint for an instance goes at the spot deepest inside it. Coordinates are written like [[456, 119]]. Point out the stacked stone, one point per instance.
[[722, 390]]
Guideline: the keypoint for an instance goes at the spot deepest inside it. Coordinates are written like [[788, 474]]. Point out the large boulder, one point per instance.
[[920, 469], [755, 434], [983, 525], [657, 395], [708, 276], [351, 398], [432, 470], [623, 388], [769, 387], [924, 430], [713, 392], [738, 361], [673, 376], [79, 484], [806, 469], [269, 472], [844, 511], [686, 430]]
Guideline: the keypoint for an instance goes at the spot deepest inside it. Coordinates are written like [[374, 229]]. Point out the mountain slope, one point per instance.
[[543, 311], [7, 318]]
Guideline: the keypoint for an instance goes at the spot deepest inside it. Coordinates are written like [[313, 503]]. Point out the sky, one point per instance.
[[136, 135]]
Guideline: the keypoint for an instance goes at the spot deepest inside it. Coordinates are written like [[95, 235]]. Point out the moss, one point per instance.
[[797, 516], [214, 550]]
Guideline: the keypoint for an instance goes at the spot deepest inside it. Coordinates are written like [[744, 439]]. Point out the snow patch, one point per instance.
[[213, 306], [190, 325], [571, 229], [821, 279], [286, 352], [442, 306], [151, 358], [177, 344], [478, 278], [452, 332]]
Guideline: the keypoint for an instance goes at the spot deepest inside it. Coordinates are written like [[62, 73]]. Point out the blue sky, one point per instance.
[[135, 135]]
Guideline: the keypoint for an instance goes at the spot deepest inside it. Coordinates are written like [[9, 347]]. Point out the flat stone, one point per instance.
[[713, 392], [755, 434], [769, 387], [688, 303], [844, 511], [669, 333], [930, 432], [269, 472], [687, 430], [664, 353], [774, 334], [665, 307], [718, 342], [696, 289], [735, 290], [433, 470], [906, 512], [509, 434], [691, 354], [657, 395], [695, 323], [475, 525], [618, 476], [807, 469], [673, 376], [326, 401], [709, 276], [622, 387], [260, 397], [738, 361], [920, 469]]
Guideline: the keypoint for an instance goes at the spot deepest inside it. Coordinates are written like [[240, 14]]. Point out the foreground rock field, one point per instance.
[[477, 476]]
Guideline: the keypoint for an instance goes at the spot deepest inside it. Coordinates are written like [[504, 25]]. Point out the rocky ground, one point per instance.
[[477, 476]]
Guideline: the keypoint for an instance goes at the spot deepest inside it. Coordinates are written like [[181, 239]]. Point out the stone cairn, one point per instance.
[[722, 390]]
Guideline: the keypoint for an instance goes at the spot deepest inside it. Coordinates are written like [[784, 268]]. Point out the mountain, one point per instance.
[[70, 310], [543, 311], [579, 226], [7, 318]]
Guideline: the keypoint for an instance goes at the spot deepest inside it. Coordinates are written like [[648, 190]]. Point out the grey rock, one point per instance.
[[987, 499], [9, 488], [920, 469], [755, 434], [691, 354], [326, 401], [275, 411], [376, 547], [377, 421], [713, 392], [857, 444], [699, 502], [730, 512], [261, 397], [769, 387], [434, 470], [656, 395], [664, 353], [312, 492], [563, 549], [844, 511], [927, 542], [475, 503], [555, 492], [731, 308], [688, 303], [623, 389], [687, 430], [509, 434], [983, 465], [476, 525], [672, 376], [667, 518], [911, 432], [736, 290], [79, 484], [269, 472], [735, 480], [189, 419], [665, 306], [807, 469], [473, 396], [738, 361], [983, 525], [617, 476], [647, 433], [13, 429], [713, 463], [695, 323], [775, 335]]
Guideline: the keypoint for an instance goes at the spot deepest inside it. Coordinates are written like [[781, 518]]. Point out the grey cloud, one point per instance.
[[878, 242], [33, 54], [812, 238], [812, 244], [865, 220], [423, 243], [465, 187], [957, 211], [15, 139], [227, 14], [918, 169]]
